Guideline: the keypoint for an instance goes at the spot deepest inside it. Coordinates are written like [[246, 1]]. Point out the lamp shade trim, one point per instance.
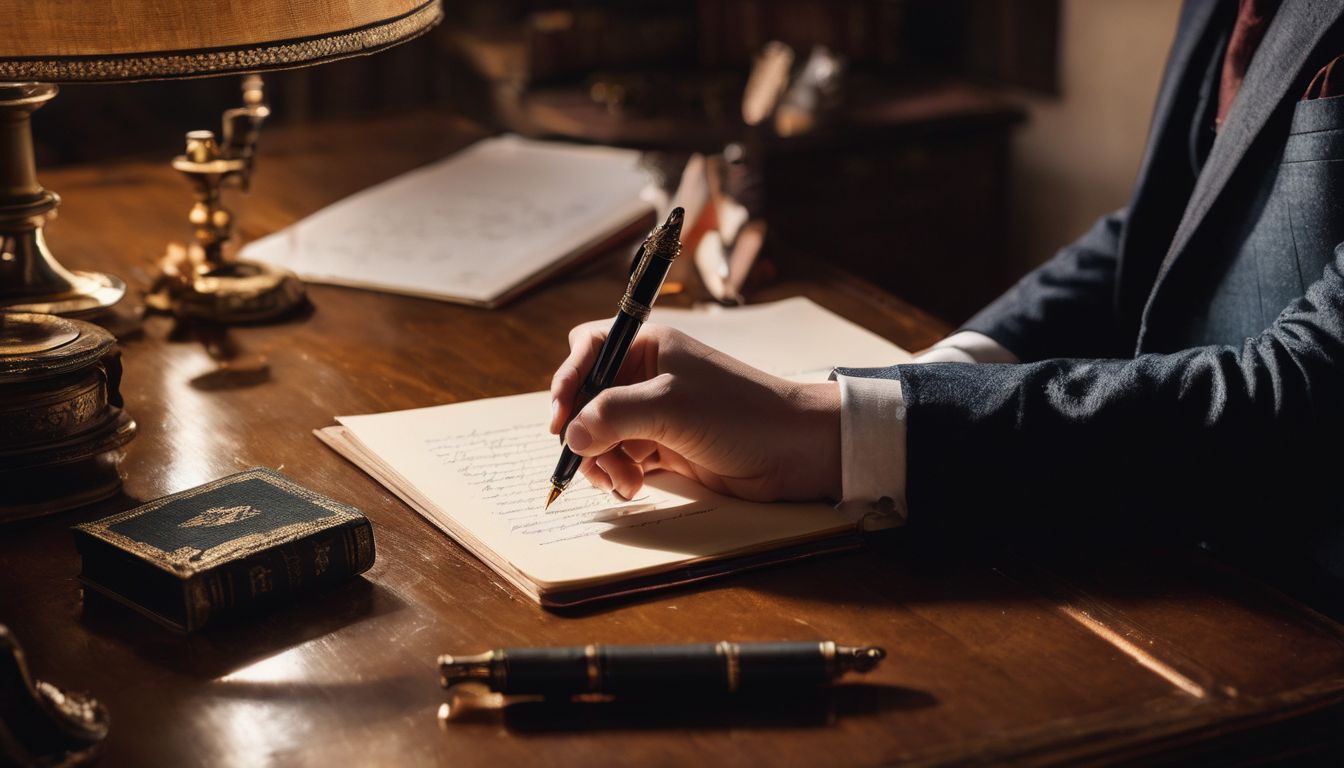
[[279, 54]]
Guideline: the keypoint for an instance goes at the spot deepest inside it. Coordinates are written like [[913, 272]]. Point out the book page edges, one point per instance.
[[579, 591], [340, 440]]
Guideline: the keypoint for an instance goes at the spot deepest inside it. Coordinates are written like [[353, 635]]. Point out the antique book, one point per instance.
[[245, 541], [480, 470], [479, 227]]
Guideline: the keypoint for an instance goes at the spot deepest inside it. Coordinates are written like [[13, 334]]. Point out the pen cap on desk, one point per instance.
[[660, 670]]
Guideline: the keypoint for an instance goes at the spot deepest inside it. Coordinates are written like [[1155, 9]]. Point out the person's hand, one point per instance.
[[683, 406]]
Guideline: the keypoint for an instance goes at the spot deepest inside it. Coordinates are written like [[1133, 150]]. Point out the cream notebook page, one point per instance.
[[470, 227], [480, 470]]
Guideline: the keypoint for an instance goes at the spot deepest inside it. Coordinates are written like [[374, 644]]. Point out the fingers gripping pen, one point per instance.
[[652, 261]]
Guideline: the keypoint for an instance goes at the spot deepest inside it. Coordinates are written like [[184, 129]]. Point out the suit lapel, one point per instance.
[[1163, 180], [1194, 26], [1289, 42]]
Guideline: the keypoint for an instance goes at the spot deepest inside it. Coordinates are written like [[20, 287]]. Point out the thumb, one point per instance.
[[633, 412]]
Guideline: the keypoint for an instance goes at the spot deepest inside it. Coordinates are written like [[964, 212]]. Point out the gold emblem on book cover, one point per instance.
[[217, 516]]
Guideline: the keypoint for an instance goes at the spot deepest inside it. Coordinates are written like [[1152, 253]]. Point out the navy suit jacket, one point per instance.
[[1183, 362]]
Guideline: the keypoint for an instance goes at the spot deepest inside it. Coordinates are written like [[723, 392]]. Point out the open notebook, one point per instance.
[[480, 471], [479, 227]]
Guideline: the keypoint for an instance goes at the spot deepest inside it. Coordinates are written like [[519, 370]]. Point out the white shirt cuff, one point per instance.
[[872, 451], [967, 347]]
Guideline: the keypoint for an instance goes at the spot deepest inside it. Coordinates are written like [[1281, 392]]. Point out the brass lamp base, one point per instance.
[[61, 417], [240, 291], [31, 280], [85, 294]]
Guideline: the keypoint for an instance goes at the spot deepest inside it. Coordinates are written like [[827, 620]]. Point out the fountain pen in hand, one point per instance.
[[654, 258]]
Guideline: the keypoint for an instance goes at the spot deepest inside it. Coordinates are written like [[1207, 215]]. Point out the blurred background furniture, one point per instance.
[[907, 182]]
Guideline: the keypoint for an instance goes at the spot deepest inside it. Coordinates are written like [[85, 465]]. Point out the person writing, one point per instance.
[[1182, 360]]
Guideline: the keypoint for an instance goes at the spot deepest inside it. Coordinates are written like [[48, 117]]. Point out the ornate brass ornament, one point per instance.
[[199, 280]]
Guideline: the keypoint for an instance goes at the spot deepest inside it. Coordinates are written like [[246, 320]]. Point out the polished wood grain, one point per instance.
[[995, 656]]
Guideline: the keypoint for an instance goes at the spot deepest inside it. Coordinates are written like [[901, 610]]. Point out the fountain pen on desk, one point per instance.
[[650, 266], [659, 670]]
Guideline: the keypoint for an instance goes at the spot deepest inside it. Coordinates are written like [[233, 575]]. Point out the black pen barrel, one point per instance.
[[609, 359], [608, 365], [566, 467], [656, 670]]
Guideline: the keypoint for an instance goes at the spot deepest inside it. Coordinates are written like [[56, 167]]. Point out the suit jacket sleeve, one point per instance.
[[1207, 433], [1065, 307]]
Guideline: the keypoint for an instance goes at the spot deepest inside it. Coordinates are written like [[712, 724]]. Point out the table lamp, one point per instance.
[[54, 41], [61, 421]]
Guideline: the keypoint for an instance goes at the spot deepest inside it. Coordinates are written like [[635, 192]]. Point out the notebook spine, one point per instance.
[[278, 573]]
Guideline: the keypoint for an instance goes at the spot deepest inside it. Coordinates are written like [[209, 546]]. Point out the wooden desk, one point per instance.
[[993, 657]]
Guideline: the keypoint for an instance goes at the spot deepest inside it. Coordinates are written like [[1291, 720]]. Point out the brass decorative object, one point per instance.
[[200, 280], [61, 417], [49, 41], [61, 422], [44, 725], [31, 280]]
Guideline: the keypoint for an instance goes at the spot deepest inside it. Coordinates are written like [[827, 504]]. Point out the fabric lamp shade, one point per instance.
[[84, 41]]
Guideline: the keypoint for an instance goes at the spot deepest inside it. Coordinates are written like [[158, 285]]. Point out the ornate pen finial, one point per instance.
[[665, 241]]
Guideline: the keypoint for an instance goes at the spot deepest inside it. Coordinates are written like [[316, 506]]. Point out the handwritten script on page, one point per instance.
[[469, 227], [480, 470]]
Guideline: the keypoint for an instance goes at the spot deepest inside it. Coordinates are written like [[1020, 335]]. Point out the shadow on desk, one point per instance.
[[901, 567], [804, 708], [1078, 576], [217, 651]]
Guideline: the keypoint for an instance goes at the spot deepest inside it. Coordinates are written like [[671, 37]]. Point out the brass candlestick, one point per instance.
[[200, 280], [31, 280]]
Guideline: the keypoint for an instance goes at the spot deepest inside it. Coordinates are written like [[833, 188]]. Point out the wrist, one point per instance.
[[820, 435]]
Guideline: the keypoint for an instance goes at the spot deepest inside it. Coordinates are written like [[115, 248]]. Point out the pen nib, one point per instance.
[[553, 495]]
